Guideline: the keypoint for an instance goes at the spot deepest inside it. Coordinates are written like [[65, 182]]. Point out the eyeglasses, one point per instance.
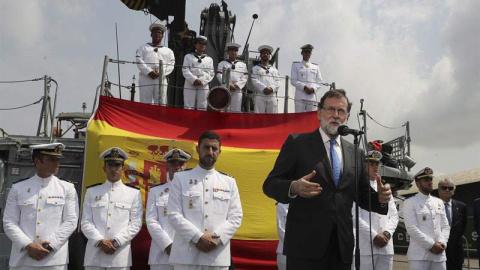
[[332, 110], [446, 188]]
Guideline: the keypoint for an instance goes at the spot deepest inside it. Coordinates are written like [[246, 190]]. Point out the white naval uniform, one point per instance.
[[263, 77], [383, 257], [111, 211], [305, 74], [203, 201], [147, 60], [282, 211], [158, 226], [426, 223], [40, 209], [196, 96], [238, 77]]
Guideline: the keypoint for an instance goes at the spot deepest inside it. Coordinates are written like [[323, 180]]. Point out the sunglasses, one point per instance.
[[446, 188]]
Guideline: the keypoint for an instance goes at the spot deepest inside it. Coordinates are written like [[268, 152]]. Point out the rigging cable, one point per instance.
[[32, 80], [384, 125], [8, 109]]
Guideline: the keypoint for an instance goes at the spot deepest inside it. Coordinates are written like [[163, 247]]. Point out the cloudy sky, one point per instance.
[[416, 61]]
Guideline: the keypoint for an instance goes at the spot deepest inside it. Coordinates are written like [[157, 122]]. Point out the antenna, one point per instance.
[[254, 16], [118, 63]]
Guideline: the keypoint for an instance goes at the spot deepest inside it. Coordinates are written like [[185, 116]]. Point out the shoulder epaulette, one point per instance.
[[296, 62], [66, 180], [128, 185], [156, 185], [315, 64], [94, 185], [225, 174], [187, 169], [18, 181]]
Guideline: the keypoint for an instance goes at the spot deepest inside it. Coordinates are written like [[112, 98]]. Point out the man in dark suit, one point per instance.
[[315, 173], [476, 222], [456, 212]]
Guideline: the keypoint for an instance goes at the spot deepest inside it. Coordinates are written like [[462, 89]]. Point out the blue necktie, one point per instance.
[[335, 162], [447, 211]]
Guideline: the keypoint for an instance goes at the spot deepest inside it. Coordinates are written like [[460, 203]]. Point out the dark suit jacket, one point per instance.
[[459, 223], [310, 221], [455, 241]]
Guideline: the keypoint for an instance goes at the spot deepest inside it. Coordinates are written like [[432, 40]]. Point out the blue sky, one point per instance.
[[414, 61]]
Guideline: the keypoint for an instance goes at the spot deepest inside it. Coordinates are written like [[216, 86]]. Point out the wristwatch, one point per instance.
[[387, 234], [115, 243], [47, 247]]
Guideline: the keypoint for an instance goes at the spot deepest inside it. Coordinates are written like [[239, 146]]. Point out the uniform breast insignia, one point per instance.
[[55, 197], [190, 204], [221, 190], [193, 182]]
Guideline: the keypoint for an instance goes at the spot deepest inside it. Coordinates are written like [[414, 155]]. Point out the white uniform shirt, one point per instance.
[[380, 223], [282, 211], [263, 77], [157, 223], [193, 69], [40, 209], [111, 211], [305, 74], [426, 223], [203, 201], [148, 59], [238, 76]]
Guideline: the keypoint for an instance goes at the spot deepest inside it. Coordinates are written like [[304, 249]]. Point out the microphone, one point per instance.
[[343, 130]]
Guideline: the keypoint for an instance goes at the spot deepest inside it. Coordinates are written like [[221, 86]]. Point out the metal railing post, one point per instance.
[[104, 74], [160, 83], [285, 108]]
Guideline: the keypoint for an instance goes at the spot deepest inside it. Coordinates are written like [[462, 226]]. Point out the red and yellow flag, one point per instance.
[[250, 146]]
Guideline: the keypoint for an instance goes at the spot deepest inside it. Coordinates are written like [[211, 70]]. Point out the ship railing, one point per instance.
[[282, 94]]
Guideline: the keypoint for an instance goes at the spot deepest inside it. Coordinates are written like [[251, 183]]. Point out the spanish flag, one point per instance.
[[250, 146]]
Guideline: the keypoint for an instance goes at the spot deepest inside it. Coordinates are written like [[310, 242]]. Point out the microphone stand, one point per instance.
[[357, 198]]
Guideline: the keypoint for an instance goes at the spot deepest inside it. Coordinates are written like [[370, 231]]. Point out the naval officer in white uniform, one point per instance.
[[112, 216], [204, 209], [427, 225], [238, 76], [307, 79], [198, 72], [382, 226], [41, 213], [148, 58], [266, 82], [157, 221]]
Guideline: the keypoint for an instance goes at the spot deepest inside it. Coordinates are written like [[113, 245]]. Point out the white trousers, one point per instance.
[[427, 265], [190, 97], [304, 105], [53, 267], [266, 104], [382, 262], [198, 267], [161, 267], [105, 268], [149, 91], [236, 101], [281, 261]]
